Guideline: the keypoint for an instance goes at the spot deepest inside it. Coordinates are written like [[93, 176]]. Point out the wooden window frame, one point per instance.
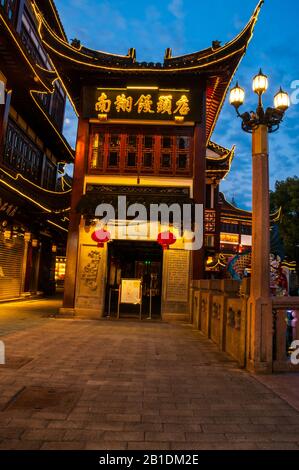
[[157, 133]]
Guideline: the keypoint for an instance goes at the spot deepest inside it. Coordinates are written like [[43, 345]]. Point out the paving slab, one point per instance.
[[129, 385]]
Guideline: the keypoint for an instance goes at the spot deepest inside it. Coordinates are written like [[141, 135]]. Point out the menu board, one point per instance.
[[131, 291]]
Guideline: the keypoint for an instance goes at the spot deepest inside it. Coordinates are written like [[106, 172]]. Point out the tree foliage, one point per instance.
[[286, 196]]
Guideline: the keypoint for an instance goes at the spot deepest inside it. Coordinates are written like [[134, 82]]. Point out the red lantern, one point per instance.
[[166, 239], [101, 237]]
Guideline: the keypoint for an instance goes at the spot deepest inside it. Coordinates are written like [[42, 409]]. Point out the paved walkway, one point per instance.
[[71, 384]]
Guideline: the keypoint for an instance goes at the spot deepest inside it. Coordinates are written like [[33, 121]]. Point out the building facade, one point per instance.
[[33, 211], [145, 136]]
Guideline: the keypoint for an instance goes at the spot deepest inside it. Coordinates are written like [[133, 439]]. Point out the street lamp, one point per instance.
[[272, 117], [260, 123]]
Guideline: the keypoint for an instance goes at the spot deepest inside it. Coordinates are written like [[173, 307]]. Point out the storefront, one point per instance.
[[13, 266], [130, 249]]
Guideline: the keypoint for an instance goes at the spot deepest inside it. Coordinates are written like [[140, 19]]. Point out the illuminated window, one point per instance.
[[130, 150]]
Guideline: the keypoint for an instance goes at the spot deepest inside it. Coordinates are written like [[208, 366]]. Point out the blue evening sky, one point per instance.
[[191, 25]]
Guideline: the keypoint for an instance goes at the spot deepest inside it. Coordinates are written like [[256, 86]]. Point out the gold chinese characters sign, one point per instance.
[[137, 104]]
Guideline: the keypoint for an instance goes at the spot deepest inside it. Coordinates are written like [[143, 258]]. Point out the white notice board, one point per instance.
[[131, 291]]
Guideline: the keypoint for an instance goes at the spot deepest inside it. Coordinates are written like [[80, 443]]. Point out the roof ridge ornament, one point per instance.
[[76, 43], [168, 53], [132, 54], [216, 44]]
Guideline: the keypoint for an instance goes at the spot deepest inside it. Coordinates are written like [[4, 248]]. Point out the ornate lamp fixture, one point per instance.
[[272, 117]]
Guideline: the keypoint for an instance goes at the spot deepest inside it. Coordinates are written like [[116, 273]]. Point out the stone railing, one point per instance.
[[219, 310], [285, 333]]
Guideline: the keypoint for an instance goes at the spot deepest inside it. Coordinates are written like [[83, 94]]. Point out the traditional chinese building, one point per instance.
[[33, 213], [144, 133]]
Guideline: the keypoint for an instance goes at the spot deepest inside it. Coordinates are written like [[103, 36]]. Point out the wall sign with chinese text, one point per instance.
[[139, 104]]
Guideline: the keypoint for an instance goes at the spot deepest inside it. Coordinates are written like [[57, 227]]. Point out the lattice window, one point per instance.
[[210, 221], [21, 154], [167, 152], [183, 154], [148, 152], [120, 151], [49, 175], [131, 151]]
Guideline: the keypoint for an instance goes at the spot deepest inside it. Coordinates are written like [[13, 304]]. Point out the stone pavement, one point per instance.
[[104, 385]]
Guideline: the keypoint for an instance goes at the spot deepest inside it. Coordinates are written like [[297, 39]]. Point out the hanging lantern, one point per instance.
[[101, 237], [166, 239], [54, 248]]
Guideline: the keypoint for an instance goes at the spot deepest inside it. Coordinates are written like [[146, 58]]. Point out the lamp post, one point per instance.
[[260, 123]]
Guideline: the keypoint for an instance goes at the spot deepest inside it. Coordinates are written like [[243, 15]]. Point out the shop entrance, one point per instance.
[[135, 260]]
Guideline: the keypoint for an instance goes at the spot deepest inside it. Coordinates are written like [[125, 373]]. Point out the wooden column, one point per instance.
[[218, 219], [73, 236], [199, 191]]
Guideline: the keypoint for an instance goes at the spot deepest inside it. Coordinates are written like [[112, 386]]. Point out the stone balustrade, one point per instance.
[[219, 309]]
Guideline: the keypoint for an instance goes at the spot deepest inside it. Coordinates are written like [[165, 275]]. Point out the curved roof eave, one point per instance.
[[112, 62], [219, 65], [49, 9]]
